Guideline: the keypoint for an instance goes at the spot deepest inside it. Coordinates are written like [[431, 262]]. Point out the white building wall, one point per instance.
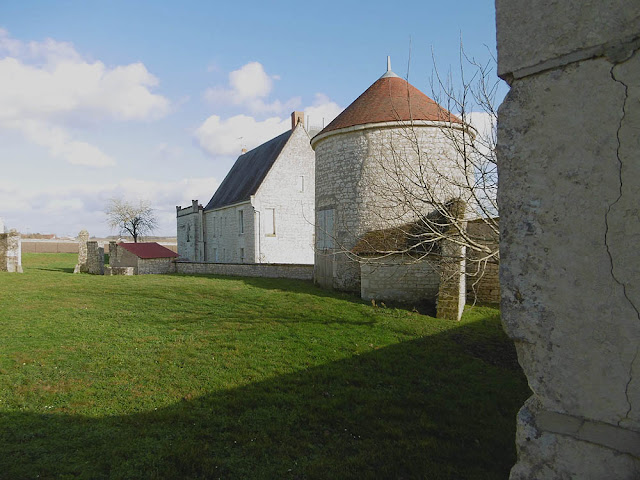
[[225, 242], [288, 190]]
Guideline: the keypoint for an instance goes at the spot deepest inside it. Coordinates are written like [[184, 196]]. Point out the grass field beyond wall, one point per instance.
[[209, 377]]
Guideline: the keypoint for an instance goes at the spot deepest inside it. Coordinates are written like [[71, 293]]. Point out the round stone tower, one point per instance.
[[372, 164]]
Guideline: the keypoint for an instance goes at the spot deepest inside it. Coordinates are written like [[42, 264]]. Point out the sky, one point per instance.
[[154, 100]]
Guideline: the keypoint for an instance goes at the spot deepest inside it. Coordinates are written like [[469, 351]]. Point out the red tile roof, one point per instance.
[[148, 250], [390, 99]]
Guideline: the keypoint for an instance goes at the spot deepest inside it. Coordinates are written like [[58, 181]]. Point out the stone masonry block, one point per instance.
[[535, 35]]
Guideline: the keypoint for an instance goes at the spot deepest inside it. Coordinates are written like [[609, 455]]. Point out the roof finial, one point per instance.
[[388, 73]]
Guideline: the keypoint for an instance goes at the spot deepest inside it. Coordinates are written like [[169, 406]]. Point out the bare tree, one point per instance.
[[131, 218]]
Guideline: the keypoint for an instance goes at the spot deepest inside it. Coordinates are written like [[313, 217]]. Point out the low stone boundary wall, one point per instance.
[[484, 287], [119, 270], [266, 270]]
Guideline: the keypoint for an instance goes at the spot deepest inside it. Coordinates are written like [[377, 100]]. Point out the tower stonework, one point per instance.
[[391, 127], [568, 194]]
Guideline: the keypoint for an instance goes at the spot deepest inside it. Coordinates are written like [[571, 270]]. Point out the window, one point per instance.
[[325, 234], [215, 254], [213, 226], [241, 221], [270, 221], [301, 183], [242, 255]]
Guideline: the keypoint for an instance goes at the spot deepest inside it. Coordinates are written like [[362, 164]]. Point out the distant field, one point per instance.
[[30, 245], [209, 377]]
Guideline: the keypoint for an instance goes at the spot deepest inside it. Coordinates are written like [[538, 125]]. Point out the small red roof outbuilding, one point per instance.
[[148, 250]]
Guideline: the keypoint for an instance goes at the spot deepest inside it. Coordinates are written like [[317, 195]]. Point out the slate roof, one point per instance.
[[246, 175], [390, 99], [148, 250]]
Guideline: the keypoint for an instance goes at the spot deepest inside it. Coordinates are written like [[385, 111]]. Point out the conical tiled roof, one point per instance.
[[390, 99]]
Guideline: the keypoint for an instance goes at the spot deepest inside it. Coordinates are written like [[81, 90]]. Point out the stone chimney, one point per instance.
[[296, 118]]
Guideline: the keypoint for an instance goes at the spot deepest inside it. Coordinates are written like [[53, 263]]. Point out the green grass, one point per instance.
[[211, 377]]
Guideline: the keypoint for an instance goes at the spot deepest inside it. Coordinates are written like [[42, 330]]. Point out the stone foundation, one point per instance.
[[267, 270], [119, 270]]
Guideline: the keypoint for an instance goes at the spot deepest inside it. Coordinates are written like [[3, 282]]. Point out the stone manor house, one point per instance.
[[262, 212], [302, 200]]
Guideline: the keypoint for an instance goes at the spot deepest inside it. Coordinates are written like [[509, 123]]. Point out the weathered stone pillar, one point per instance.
[[95, 258], [81, 266], [453, 289], [113, 254], [569, 164], [10, 252]]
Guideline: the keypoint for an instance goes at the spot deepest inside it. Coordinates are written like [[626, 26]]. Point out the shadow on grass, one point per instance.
[[53, 269], [423, 307], [426, 408]]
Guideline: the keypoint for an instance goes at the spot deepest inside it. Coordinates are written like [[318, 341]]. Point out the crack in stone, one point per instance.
[[606, 232]]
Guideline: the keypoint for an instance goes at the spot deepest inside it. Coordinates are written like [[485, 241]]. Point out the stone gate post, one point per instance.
[[569, 190]]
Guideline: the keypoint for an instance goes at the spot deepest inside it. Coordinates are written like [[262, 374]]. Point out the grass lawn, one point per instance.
[[210, 377]]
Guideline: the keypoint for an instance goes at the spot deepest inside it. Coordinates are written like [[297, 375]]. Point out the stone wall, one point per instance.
[[483, 279], [190, 231], [156, 266], [299, 272], [355, 178], [10, 252], [483, 283], [121, 257], [399, 278], [95, 258], [569, 185], [226, 241], [109, 270]]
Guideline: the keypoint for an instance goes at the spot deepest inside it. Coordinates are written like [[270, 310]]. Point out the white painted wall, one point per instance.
[[287, 196], [289, 191]]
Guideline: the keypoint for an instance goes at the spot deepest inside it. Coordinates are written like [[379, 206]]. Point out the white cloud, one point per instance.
[[322, 111], [250, 81], [60, 144], [45, 85], [67, 210], [249, 86], [227, 137], [483, 122]]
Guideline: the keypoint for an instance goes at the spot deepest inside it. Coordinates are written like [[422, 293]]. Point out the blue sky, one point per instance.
[[154, 100]]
